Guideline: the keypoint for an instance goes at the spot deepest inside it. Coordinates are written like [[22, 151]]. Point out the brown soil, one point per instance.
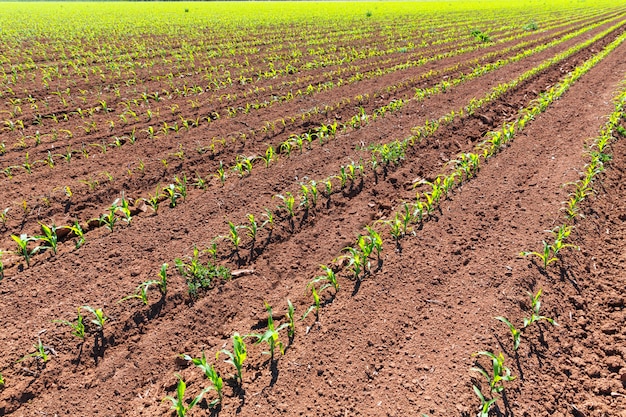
[[401, 341]]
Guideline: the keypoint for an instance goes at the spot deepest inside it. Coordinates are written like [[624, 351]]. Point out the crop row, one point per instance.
[[130, 114], [384, 154], [320, 133]]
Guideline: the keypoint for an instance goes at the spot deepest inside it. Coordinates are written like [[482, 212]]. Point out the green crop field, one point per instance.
[[202, 202]]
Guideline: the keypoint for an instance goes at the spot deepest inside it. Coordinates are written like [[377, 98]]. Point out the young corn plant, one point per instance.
[[305, 201], [316, 302], [270, 156], [77, 328], [99, 317], [500, 373], [178, 403], [233, 236], [172, 192], [375, 240], [329, 279], [252, 228], [289, 205], [4, 217], [356, 261], [536, 316], [243, 165], [123, 206], [551, 251], [1, 266], [290, 315], [77, 231], [545, 256], [271, 335], [23, 250], [211, 374], [560, 234], [161, 283], [237, 357], [220, 174], [516, 333], [109, 219], [41, 352], [485, 404], [141, 292], [180, 185], [154, 199], [49, 237]]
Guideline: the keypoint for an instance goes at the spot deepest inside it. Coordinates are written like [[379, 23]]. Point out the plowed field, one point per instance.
[[256, 147]]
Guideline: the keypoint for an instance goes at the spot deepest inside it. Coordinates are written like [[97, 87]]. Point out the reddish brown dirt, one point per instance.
[[398, 343]]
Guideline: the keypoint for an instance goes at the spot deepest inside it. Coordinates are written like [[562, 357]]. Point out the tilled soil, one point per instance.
[[402, 340]]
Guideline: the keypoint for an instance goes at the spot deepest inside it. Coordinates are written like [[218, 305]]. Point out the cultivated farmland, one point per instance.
[[316, 209]]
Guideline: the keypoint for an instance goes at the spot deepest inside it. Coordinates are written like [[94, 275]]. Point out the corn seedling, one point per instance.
[[178, 402], [373, 241], [290, 315], [171, 192], [356, 261], [99, 319], [545, 256], [41, 352], [211, 374], [342, 177], [49, 237], [485, 404], [252, 228], [200, 182], [270, 219], [515, 333], [181, 186], [536, 315], [212, 249], [329, 279], [77, 328], [233, 236], [560, 234], [395, 227], [551, 251], [243, 165], [109, 219], [1, 381], [4, 216], [23, 250], [500, 372], [220, 174], [316, 302], [153, 199], [328, 187], [304, 197], [77, 231], [161, 283], [289, 203], [1, 266], [271, 335], [270, 155], [123, 206], [141, 292], [237, 357]]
